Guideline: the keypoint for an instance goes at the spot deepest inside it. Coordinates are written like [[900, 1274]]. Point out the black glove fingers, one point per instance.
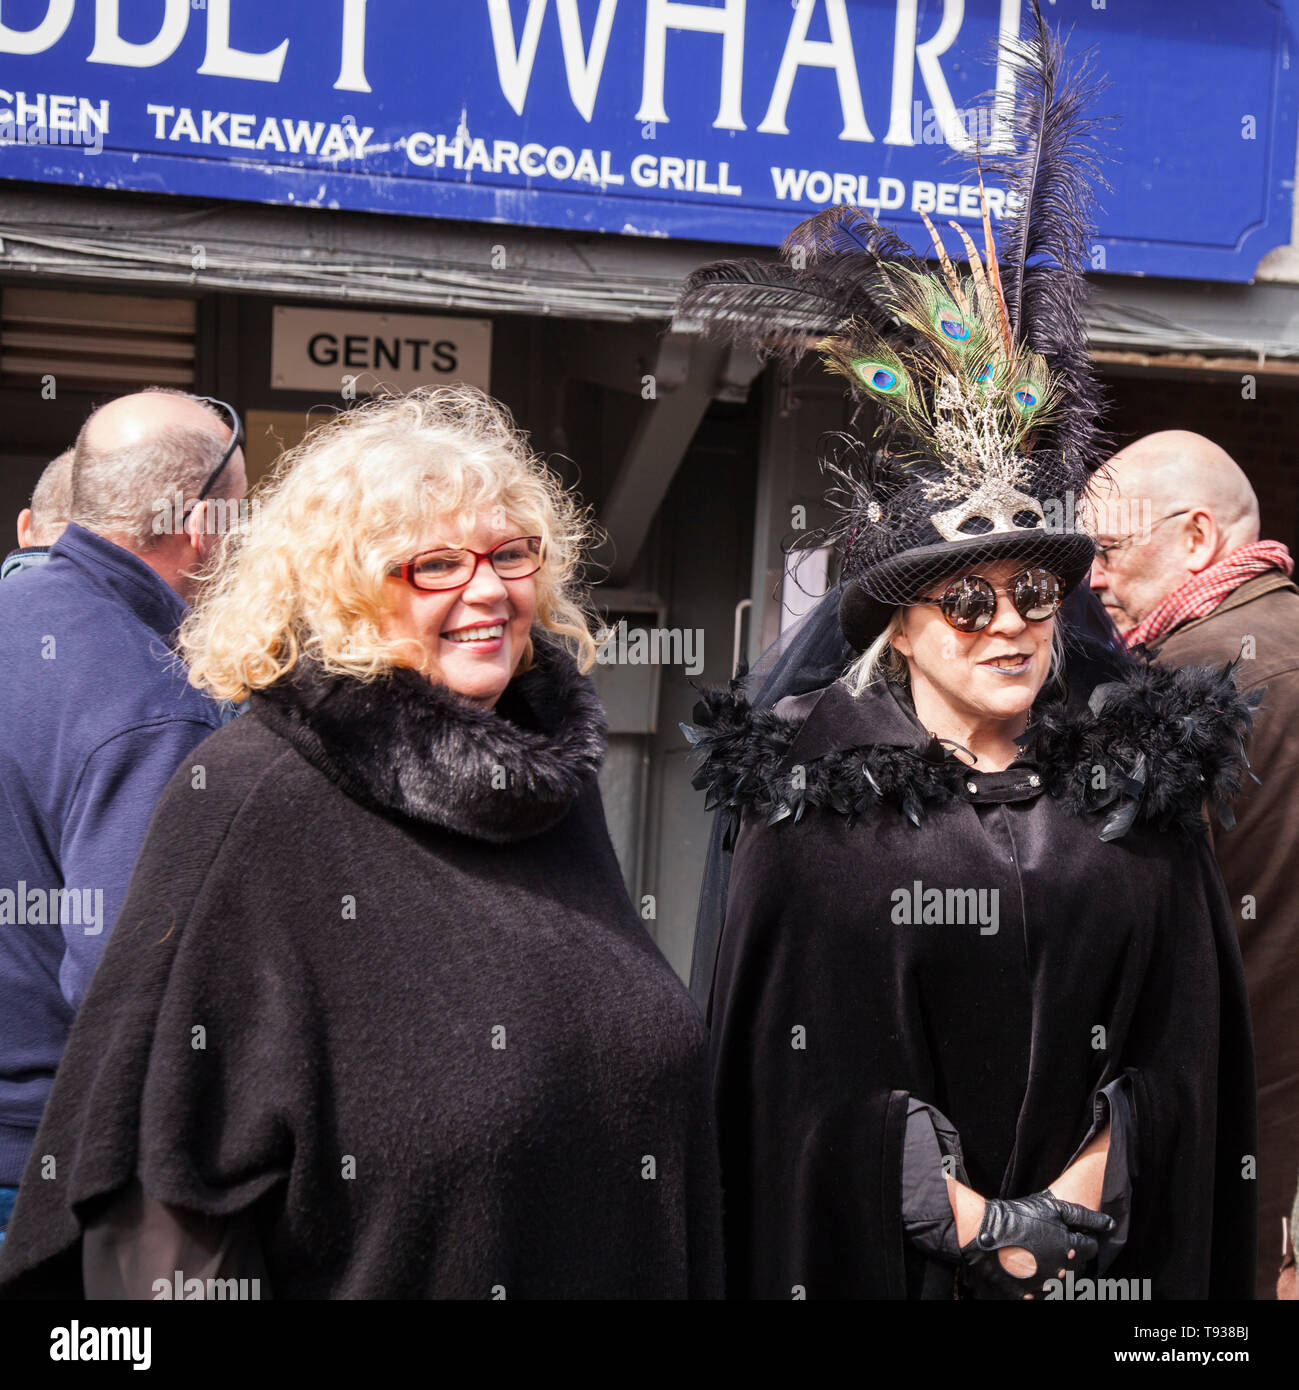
[[1085, 1245], [1083, 1218]]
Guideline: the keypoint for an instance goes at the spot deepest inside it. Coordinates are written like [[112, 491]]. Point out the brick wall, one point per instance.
[[1262, 434]]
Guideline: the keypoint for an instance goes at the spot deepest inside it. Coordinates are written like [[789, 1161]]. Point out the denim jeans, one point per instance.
[[8, 1195]]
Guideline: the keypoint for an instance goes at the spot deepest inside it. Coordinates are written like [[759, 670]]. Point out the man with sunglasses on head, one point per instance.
[[1180, 568], [96, 714]]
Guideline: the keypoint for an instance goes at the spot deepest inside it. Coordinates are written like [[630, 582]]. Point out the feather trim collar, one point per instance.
[[1164, 740], [401, 744]]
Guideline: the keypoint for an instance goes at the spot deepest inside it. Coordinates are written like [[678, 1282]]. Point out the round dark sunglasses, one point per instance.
[[970, 602]]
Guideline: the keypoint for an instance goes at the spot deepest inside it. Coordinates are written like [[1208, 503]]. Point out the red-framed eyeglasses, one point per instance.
[[433, 570]]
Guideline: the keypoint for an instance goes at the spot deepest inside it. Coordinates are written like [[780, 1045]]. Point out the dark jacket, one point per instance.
[[27, 557], [1076, 960], [1258, 867], [437, 1055], [95, 716]]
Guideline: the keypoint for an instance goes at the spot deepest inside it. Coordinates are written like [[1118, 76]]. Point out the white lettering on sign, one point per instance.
[[44, 35], [244, 130], [351, 73], [222, 60], [515, 57], [515, 52], [908, 54], [885, 194], [709, 38], [728, 21], [316, 349], [111, 47], [220, 57], [802, 52], [51, 112]]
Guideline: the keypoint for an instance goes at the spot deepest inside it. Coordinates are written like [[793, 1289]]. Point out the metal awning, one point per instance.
[[79, 235], [413, 263]]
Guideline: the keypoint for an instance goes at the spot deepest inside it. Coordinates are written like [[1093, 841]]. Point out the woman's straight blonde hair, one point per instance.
[[360, 494]]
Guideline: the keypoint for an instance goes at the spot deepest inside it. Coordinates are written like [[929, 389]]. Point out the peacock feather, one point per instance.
[[972, 371], [953, 369]]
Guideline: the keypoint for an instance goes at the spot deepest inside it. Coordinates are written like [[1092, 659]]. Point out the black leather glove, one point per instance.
[[1046, 1227]]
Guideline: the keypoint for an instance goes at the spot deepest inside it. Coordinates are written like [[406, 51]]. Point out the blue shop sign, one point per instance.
[[719, 120]]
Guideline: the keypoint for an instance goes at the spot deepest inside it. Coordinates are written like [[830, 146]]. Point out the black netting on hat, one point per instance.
[[905, 528]]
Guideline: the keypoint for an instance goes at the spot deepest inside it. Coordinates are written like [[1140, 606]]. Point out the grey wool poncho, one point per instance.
[[378, 988]]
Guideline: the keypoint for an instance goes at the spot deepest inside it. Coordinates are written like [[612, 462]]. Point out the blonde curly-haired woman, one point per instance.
[[378, 1019]]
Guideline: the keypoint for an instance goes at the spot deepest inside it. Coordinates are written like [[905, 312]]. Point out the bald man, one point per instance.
[[96, 714], [42, 523], [1182, 572]]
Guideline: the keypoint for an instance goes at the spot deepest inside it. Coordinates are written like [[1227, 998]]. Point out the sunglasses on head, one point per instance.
[[970, 602], [236, 439]]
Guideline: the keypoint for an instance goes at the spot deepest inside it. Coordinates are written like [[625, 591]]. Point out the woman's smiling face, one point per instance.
[[472, 638], [987, 677]]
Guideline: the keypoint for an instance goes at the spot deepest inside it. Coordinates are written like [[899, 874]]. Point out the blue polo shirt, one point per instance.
[[95, 716]]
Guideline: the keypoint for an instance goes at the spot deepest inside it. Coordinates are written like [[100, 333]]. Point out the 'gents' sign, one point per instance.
[[357, 353]]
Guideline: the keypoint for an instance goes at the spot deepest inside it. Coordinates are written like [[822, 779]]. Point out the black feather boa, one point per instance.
[[1165, 741], [403, 745]]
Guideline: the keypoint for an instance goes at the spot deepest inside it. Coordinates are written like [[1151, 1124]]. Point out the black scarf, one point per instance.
[[399, 743], [1166, 740]]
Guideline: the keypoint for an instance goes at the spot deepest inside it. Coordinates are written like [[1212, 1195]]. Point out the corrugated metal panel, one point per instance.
[[622, 289], [82, 235], [95, 340]]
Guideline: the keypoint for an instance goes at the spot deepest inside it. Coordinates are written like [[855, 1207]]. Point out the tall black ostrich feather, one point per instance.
[[1054, 172], [830, 273]]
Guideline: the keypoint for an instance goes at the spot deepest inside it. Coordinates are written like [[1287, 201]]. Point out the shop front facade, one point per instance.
[[283, 212]]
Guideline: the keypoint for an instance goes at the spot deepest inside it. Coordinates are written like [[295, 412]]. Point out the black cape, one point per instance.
[[377, 981], [812, 654], [837, 997]]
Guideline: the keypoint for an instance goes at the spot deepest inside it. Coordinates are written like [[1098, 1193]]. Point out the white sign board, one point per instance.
[[342, 351]]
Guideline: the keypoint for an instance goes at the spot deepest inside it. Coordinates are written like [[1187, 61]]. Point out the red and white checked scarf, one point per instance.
[[1200, 595]]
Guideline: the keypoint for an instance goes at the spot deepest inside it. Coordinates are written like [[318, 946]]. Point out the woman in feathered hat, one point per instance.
[[978, 1024]]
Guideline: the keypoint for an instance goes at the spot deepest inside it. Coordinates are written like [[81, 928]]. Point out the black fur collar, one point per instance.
[[401, 744], [1166, 740]]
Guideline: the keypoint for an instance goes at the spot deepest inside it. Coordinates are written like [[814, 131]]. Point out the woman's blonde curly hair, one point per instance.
[[358, 495]]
